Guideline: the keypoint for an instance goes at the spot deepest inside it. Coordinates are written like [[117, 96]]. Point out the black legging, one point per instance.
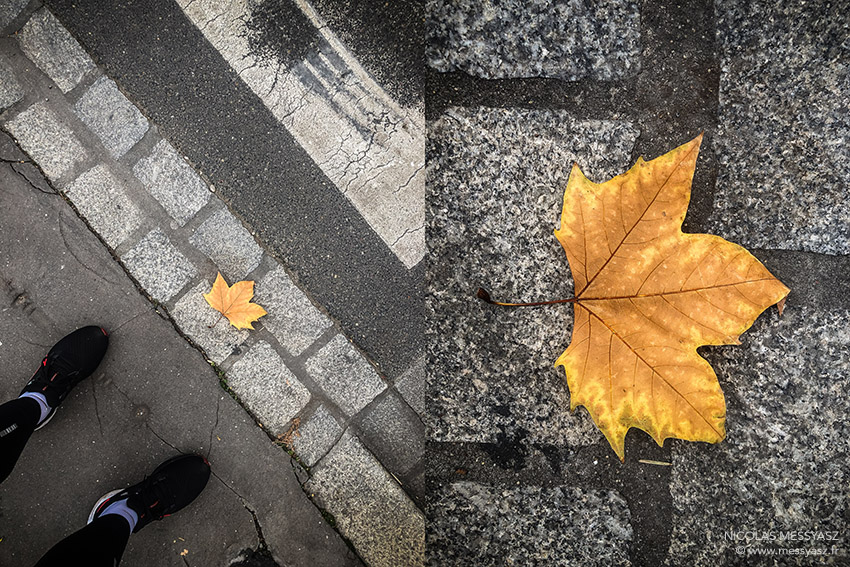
[[99, 544], [18, 419]]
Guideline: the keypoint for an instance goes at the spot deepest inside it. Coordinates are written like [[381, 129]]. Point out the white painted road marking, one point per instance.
[[369, 146]]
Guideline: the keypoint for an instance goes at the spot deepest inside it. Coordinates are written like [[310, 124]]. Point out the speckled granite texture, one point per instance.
[[496, 179], [525, 526], [518, 38], [783, 466], [783, 136]]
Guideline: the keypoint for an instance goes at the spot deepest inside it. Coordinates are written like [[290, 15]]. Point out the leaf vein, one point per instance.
[[652, 394], [640, 217]]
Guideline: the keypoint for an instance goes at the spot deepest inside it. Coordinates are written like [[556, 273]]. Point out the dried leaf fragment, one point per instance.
[[647, 295], [234, 302]]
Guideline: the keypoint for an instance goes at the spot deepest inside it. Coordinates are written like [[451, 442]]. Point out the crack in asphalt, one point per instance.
[[160, 437], [96, 409], [23, 176], [215, 425], [73, 254], [406, 232], [259, 529]]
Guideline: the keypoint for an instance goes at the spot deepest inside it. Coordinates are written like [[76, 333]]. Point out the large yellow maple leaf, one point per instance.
[[234, 302], [646, 296]]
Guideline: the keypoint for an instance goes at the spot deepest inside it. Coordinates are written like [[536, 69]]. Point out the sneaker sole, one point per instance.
[[97, 504], [47, 419]]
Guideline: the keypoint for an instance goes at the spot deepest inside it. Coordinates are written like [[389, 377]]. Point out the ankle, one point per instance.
[[122, 508], [43, 406]]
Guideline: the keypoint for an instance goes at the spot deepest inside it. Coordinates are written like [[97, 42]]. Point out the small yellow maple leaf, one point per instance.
[[234, 302]]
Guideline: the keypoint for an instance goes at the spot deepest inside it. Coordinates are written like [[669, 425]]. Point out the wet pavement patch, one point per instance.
[[278, 29]]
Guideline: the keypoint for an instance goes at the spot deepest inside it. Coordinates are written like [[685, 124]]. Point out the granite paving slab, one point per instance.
[[9, 10], [783, 466], [267, 387], [515, 38], [371, 509], [202, 324], [228, 244], [347, 377], [315, 436], [54, 50], [172, 182], [489, 526], [10, 90], [47, 140], [108, 113], [102, 199], [159, 266], [394, 433], [783, 134], [411, 386], [293, 319], [496, 179]]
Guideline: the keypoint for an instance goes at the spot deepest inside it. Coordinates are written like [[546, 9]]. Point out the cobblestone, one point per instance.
[[345, 375], [316, 436], [202, 323], [411, 385], [167, 176], [488, 526], [371, 509], [9, 10], [782, 463], [267, 387], [293, 319], [496, 179], [51, 47], [108, 113], [517, 39], [228, 244], [783, 129], [102, 200], [10, 90], [159, 266], [394, 434], [48, 141]]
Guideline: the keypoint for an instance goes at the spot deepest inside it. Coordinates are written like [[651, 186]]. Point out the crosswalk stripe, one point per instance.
[[370, 147]]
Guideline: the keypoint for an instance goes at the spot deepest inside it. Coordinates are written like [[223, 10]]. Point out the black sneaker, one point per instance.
[[172, 486], [70, 360]]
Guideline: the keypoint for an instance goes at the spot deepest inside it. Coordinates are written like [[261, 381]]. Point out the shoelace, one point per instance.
[[48, 371], [61, 367], [154, 497], [57, 367]]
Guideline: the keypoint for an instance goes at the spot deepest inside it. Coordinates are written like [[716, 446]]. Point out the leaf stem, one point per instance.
[[216, 321], [484, 296]]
